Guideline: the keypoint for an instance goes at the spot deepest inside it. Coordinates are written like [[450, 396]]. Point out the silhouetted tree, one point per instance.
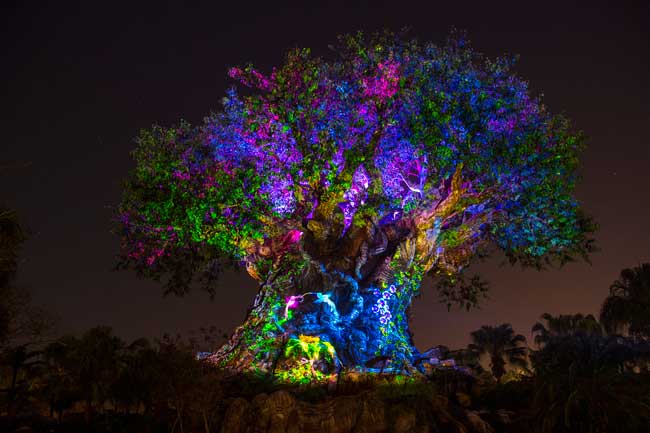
[[627, 308], [20, 321], [60, 388], [564, 324], [22, 326], [134, 384], [98, 353], [208, 395], [91, 363], [180, 377], [502, 346], [18, 364], [584, 385]]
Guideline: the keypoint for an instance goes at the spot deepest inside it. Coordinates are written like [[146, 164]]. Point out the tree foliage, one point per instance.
[[445, 149], [585, 384], [564, 324], [627, 308], [21, 323], [502, 346]]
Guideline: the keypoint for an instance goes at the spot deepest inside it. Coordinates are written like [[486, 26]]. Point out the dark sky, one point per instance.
[[81, 79]]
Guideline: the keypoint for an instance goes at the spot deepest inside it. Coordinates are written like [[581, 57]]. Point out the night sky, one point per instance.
[[81, 79]]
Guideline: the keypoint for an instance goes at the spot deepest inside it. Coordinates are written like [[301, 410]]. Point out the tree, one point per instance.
[[208, 395], [133, 385], [584, 384], [60, 389], [564, 324], [339, 183], [181, 381], [22, 326], [627, 308], [502, 345], [98, 354], [19, 363], [90, 365], [20, 322]]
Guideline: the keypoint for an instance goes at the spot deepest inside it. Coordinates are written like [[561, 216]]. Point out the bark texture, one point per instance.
[[347, 291]]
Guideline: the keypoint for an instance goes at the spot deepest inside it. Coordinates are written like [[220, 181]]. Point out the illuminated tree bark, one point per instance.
[[350, 286], [363, 315]]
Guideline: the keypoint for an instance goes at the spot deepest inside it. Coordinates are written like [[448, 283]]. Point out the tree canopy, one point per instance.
[[445, 146], [627, 308], [21, 322]]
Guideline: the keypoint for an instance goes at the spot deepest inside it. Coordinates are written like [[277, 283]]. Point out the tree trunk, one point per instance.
[[206, 425], [364, 319], [88, 412], [11, 394], [498, 367]]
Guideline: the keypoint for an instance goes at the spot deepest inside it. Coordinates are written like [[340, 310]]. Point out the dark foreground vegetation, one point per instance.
[[578, 380], [579, 375]]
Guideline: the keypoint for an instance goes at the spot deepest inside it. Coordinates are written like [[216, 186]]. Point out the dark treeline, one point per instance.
[[97, 382], [580, 374]]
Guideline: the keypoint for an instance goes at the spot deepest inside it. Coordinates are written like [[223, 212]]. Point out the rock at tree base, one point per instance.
[[367, 412]]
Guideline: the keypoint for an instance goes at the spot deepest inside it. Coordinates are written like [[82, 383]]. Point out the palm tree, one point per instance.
[[11, 237], [564, 324], [627, 308], [584, 385], [502, 345]]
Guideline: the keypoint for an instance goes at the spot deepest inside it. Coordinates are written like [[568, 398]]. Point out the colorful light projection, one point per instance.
[[381, 307], [338, 184], [304, 352]]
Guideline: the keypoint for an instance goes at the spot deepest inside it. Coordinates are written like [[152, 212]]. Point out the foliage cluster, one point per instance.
[[437, 140]]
